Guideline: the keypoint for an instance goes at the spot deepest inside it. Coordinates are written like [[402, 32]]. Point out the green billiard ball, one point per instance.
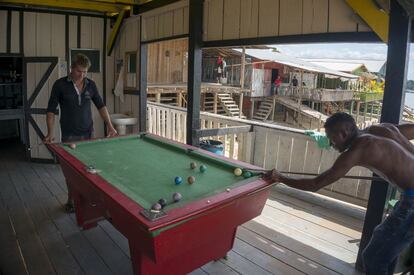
[[203, 168], [247, 174]]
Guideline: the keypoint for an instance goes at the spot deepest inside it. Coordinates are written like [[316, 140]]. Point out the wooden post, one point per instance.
[[195, 43], [251, 108], [273, 108], [158, 96], [319, 123], [178, 99], [215, 102], [365, 110], [358, 106], [143, 88], [242, 69], [372, 110]]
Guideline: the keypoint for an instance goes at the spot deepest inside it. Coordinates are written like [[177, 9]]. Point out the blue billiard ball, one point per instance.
[[203, 168], [178, 180]]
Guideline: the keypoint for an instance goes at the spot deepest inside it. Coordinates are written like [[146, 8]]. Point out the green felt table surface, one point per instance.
[[144, 169]]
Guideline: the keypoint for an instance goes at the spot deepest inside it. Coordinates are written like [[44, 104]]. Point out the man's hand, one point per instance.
[[111, 131], [48, 139], [273, 175]]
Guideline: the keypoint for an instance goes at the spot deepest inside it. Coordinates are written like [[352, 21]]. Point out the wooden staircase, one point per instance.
[[229, 105], [225, 105], [265, 109], [208, 105]]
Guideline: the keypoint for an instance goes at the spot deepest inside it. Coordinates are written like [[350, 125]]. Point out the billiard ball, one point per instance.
[[247, 174], [191, 179], [156, 207], [193, 165], [72, 146], [162, 202], [238, 172], [177, 197], [203, 168], [178, 180]]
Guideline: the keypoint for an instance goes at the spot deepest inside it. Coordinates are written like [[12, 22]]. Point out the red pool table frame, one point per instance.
[[202, 231]]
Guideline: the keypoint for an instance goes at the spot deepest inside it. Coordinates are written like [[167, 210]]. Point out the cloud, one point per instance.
[[337, 51]]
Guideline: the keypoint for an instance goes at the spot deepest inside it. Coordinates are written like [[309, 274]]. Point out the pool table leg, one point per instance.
[[87, 213]]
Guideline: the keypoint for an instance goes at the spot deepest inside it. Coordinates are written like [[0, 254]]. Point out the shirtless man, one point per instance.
[[386, 150]]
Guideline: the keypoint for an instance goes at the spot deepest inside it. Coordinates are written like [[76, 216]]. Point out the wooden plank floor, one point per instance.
[[290, 237]]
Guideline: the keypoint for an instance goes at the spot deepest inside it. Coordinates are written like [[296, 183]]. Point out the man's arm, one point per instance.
[[50, 114], [50, 122], [105, 116], [342, 165]]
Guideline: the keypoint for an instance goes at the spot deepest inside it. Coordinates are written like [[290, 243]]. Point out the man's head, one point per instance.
[[79, 67], [341, 129]]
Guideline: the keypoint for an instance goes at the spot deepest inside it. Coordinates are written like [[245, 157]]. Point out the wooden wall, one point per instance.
[[238, 19], [168, 62], [128, 41], [44, 35], [14, 32], [167, 21]]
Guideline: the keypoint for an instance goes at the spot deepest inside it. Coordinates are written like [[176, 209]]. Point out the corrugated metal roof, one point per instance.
[[373, 66], [291, 61]]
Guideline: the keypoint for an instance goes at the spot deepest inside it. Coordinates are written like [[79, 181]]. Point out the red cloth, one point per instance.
[[219, 60], [278, 81]]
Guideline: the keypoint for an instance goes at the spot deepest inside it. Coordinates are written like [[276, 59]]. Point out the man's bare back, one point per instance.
[[385, 156]]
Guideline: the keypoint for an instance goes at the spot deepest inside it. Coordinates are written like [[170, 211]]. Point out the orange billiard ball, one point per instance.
[[191, 179]]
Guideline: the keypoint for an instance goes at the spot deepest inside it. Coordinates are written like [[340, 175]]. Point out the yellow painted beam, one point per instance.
[[124, 2], [71, 4], [376, 19], [115, 31]]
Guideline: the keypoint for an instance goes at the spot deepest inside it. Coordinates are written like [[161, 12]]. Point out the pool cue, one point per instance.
[[263, 171]]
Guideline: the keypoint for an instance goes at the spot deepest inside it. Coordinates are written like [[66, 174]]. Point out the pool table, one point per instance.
[[119, 179]]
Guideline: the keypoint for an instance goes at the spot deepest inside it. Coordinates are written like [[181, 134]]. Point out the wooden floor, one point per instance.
[[37, 237]]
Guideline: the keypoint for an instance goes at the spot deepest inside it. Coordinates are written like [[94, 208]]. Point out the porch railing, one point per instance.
[[266, 145], [319, 95]]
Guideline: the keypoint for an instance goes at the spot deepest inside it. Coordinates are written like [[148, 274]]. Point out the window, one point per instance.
[[131, 70]]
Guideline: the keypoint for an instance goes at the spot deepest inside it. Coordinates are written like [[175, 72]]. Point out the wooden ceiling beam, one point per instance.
[[72, 5]]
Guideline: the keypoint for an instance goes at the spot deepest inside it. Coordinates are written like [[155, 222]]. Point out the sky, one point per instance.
[[366, 51]]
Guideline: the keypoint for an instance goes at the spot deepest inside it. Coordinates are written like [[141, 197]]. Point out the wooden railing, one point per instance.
[[266, 145], [318, 95]]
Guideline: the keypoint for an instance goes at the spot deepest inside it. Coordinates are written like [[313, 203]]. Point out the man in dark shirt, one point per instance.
[[294, 81], [74, 94]]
